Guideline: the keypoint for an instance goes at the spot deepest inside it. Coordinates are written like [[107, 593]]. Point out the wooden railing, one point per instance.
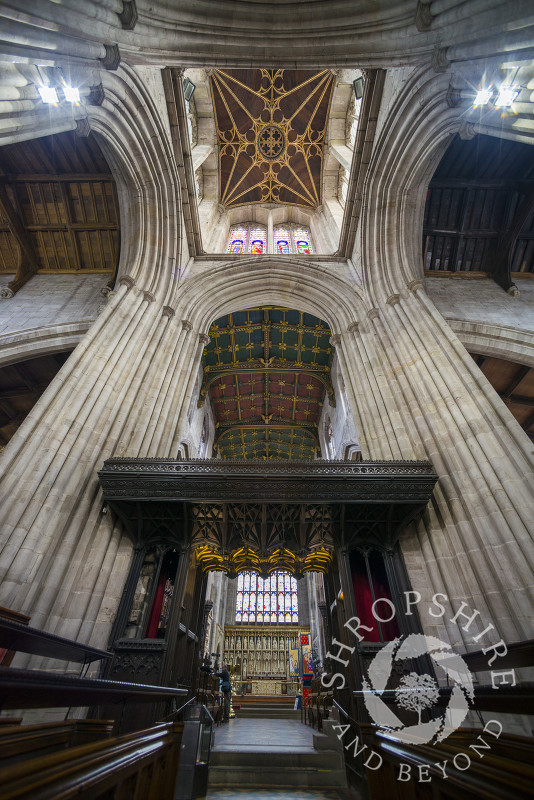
[[119, 700], [138, 766]]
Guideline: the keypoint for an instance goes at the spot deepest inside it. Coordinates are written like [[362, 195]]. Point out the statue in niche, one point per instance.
[[329, 438]]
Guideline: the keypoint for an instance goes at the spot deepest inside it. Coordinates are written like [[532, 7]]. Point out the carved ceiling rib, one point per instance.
[[271, 128]]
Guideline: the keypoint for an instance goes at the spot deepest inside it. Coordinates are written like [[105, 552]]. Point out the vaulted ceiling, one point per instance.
[[58, 207], [267, 371], [479, 214], [271, 127]]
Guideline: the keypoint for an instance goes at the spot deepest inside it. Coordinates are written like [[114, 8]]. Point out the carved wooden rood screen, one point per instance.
[[188, 517]]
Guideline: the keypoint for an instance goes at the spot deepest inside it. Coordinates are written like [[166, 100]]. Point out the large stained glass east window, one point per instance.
[[273, 600]]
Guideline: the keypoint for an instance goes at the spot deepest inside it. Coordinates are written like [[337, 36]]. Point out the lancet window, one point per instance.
[[292, 239], [271, 600], [289, 239]]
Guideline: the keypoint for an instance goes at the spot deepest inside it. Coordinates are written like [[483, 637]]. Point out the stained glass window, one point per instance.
[[257, 240], [301, 241], [289, 239], [282, 241], [237, 241], [270, 600]]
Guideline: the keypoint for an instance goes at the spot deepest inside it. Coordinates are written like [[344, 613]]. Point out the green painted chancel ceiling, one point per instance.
[[267, 371]]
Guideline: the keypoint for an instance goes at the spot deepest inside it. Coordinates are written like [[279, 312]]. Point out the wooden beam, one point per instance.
[[528, 422], [28, 264], [518, 400], [501, 266], [521, 373]]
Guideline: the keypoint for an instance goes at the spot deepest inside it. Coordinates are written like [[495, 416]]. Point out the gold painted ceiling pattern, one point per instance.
[[271, 127], [267, 372]]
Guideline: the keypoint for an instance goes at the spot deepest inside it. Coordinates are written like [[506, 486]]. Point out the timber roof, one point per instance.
[[58, 207], [271, 127], [267, 371], [479, 214]]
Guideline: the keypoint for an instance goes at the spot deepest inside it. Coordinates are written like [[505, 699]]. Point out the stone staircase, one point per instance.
[[314, 764]]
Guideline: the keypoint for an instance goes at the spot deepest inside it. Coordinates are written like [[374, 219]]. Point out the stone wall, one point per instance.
[[49, 313]]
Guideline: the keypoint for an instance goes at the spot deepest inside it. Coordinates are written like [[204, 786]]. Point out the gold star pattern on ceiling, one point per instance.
[[271, 128]]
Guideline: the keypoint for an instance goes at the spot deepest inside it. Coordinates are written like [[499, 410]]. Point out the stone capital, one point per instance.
[[186, 325], [413, 286], [128, 16], [393, 299], [467, 131], [83, 127], [126, 280], [373, 313], [112, 58], [167, 311], [440, 62], [204, 339], [353, 327], [149, 297], [335, 339]]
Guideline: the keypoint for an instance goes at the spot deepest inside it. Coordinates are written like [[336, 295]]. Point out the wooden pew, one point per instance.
[[138, 766], [505, 772], [20, 742]]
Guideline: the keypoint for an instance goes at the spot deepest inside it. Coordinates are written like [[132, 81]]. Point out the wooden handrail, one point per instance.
[[25, 639], [498, 774], [19, 742], [148, 760], [504, 699], [520, 654], [28, 688]]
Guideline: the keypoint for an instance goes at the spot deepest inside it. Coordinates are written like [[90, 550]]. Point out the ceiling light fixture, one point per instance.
[[48, 95], [358, 88], [506, 97], [72, 95], [483, 96]]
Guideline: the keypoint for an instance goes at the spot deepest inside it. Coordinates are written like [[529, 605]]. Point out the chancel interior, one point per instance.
[[266, 399]]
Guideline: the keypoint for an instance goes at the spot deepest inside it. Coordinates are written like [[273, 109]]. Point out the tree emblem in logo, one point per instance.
[[419, 692]]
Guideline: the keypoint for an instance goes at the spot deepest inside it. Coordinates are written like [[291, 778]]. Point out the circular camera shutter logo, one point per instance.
[[270, 142], [419, 692]]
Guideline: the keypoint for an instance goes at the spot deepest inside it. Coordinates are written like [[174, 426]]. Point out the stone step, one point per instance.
[[275, 776], [302, 758], [259, 712]]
